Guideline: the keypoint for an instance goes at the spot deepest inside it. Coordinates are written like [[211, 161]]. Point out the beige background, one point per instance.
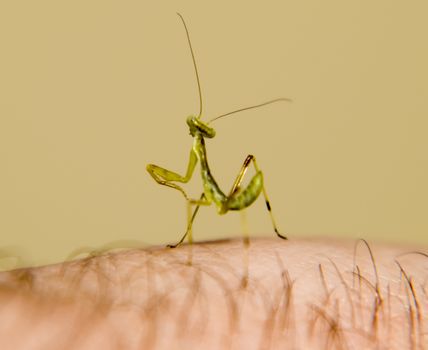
[[92, 91]]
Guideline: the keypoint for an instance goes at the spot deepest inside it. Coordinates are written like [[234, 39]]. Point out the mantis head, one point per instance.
[[197, 126]]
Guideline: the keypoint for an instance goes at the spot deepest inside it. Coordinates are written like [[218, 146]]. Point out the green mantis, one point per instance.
[[238, 198]]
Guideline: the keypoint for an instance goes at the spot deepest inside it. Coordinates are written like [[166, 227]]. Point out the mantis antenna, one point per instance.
[[194, 64], [251, 107]]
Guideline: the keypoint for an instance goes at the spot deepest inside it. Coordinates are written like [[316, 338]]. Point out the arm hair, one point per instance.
[[298, 294]]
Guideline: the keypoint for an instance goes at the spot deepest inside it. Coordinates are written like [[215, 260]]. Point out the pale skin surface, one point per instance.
[[298, 294]]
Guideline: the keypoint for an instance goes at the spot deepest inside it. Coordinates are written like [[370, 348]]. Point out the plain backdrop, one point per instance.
[[92, 91]]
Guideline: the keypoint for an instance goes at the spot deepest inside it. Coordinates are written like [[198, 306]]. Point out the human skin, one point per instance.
[[270, 294]]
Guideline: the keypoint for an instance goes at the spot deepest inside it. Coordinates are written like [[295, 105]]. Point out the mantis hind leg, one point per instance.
[[239, 199]]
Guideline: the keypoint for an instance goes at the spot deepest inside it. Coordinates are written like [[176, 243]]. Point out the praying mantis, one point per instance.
[[238, 198]]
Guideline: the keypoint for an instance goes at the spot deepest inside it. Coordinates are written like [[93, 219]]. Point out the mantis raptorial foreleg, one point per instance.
[[165, 177]]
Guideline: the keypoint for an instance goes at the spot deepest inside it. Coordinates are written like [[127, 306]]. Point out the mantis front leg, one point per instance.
[[165, 177]]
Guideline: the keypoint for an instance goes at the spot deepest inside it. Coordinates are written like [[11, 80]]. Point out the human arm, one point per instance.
[[296, 294]]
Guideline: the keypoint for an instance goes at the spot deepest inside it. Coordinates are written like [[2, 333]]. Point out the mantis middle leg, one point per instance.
[[191, 217]]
